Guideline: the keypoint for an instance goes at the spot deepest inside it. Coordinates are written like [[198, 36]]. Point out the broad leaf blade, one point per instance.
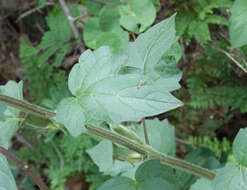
[[102, 155], [240, 147], [71, 114], [7, 130], [150, 46], [161, 136], [230, 177], [154, 169], [13, 90], [238, 23], [155, 183], [118, 183], [202, 184], [7, 181], [8, 126]]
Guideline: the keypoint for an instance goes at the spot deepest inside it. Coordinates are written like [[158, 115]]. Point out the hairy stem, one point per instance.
[[27, 107], [148, 150], [116, 138], [38, 181]]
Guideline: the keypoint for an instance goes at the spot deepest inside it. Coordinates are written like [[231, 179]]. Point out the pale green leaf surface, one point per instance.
[[230, 177], [238, 23], [13, 90], [8, 126], [102, 155], [240, 147], [202, 184], [124, 168], [118, 183], [2, 109], [7, 181], [161, 136], [107, 96], [8, 129], [137, 15], [154, 169], [71, 114], [155, 183], [150, 46]]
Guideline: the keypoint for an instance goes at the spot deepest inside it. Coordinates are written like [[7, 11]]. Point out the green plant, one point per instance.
[[109, 89], [105, 27], [194, 17]]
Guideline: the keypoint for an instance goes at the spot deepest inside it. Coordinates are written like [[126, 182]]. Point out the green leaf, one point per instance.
[[93, 8], [155, 183], [109, 18], [106, 95], [161, 136], [112, 35], [150, 46], [42, 3], [202, 184], [154, 169], [119, 183], [8, 129], [137, 15], [8, 126], [230, 177], [238, 23], [102, 155], [125, 169], [7, 181], [71, 114], [13, 90], [240, 147]]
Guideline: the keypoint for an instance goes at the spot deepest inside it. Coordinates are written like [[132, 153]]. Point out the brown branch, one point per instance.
[[72, 25], [38, 181]]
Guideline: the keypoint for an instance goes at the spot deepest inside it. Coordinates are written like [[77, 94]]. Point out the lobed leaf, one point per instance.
[[238, 23], [240, 147]]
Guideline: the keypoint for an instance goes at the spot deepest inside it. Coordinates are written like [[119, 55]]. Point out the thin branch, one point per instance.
[[145, 131], [72, 25], [38, 181], [231, 57], [29, 12], [122, 140]]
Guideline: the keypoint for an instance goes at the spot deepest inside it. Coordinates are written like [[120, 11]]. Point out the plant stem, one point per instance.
[[116, 138], [38, 181], [148, 150], [27, 107]]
